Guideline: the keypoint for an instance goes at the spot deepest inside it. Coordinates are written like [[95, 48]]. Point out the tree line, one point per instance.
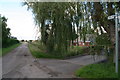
[[7, 39], [70, 20]]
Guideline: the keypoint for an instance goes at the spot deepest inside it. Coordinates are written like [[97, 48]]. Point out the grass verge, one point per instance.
[[38, 52], [99, 70], [4, 51]]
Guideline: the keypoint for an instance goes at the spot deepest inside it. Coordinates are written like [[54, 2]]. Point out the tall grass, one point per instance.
[[38, 50]]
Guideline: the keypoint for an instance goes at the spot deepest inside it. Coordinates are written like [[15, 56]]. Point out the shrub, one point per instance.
[[22, 40], [76, 50], [9, 42]]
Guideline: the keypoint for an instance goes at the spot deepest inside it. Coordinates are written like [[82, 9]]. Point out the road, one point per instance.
[[19, 63]]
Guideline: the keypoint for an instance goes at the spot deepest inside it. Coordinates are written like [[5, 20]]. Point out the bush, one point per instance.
[[22, 40], [76, 50], [9, 42], [30, 41]]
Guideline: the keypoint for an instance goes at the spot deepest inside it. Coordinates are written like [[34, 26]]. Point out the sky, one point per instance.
[[20, 20]]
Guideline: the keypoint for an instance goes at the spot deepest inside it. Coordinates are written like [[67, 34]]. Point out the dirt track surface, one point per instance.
[[19, 63]]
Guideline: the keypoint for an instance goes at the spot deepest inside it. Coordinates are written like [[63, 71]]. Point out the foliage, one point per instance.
[[38, 50], [7, 39], [59, 36], [72, 20], [99, 70], [22, 40], [102, 45], [8, 49], [103, 39], [30, 40], [76, 50]]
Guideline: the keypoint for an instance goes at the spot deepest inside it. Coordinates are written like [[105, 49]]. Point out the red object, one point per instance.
[[87, 43]]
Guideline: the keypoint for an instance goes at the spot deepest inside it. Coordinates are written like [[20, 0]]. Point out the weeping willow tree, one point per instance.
[[57, 35], [68, 21]]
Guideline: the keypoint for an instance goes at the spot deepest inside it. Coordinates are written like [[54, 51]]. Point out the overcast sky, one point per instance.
[[20, 21]]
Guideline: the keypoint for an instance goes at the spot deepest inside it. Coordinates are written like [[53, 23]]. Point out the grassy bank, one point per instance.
[[39, 51], [100, 70], [4, 51]]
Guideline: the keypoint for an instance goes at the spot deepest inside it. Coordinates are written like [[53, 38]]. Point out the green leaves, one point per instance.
[[7, 40], [70, 21], [61, 32], [103, 39]]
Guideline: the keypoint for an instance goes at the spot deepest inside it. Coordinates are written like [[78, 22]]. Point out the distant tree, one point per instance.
[[22, 40], [30, 40], [7, 39], [5, 32]]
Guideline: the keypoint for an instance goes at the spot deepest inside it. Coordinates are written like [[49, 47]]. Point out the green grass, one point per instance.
[[76, 50], [4, 51], [100, 70], [39, 52]]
